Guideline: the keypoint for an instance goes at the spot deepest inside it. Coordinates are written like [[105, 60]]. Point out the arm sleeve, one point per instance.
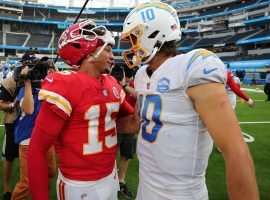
[[236, 89], [54, 91], [125, 109], [203, 67], [42, 138]]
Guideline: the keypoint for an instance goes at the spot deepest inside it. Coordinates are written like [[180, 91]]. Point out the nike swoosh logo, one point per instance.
[[205, 71], [50, 80]]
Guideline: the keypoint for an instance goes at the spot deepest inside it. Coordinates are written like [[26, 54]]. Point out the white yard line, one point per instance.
[[252, 99], [252, 90], [255, 122]]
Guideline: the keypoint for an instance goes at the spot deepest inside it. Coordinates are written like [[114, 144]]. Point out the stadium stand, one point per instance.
[[1, 38], [188, 42], [239, 36], [234, 29], [15, 39], [39, 40], [263, 33]]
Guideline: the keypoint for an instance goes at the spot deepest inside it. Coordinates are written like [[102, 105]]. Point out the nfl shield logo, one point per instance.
[[105, 92], [84, 197], [148, 86], [115, 92]]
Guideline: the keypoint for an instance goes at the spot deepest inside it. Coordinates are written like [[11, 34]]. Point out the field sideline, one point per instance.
[[255, 122]]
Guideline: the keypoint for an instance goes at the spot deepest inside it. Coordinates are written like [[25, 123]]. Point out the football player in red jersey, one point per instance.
[[78, 115], [233, 88]]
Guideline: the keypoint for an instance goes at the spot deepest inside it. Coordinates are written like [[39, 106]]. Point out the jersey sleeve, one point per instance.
[[125, 109], [235, 88], [43, 136], [204, 66], [55, 91]]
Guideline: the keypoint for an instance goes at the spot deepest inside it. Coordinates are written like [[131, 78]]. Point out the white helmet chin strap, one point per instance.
[[150, 57]]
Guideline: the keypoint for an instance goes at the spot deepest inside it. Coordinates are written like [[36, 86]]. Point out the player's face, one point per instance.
[[105, 60]]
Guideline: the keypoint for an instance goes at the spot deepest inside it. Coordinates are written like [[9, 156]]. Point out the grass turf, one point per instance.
[[215, 176]]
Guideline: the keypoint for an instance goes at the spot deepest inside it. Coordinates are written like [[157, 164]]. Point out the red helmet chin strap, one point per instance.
[[100, 43]]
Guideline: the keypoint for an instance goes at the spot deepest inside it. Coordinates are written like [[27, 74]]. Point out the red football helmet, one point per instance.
[[81, 39]]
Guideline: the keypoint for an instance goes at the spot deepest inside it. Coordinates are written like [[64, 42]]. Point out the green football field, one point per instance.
[[255, 122]]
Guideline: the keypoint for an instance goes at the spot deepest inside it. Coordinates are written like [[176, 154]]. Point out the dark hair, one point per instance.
[[129, 72], [28, 56], [169, 49]]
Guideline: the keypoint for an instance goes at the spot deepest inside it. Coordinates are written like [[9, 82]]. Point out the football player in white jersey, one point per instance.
[[183, 107]]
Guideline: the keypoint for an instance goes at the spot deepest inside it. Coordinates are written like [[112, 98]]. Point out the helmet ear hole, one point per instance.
[[76, 45], [154, 34]]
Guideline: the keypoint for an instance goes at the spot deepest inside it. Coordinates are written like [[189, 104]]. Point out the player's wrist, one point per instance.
[[250, 102], [124, 86], [11, 105]]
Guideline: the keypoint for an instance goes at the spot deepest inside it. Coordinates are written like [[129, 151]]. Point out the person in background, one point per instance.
[[10, 148], [10, 72], [28, 112], [1, 75], [233, 89], [267, 85], [184, 107], [253, 80], [126, 142]]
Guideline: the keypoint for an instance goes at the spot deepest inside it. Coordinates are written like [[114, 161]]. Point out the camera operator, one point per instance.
[[126, 142], [32, 75]]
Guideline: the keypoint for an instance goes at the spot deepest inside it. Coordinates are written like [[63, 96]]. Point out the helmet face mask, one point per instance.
[[137, 51], [81, 39], [148, 27]]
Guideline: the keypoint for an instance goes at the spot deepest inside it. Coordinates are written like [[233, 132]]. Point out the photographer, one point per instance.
[[32, 74], [126, 142]]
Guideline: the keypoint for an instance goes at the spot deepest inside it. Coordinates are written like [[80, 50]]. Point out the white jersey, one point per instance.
[[231, 94], [174, 144]]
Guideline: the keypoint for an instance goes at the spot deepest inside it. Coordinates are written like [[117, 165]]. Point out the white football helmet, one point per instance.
[[148, 27]]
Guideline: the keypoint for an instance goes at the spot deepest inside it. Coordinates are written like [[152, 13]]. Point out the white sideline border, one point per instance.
[[252, 99], [263, 122]]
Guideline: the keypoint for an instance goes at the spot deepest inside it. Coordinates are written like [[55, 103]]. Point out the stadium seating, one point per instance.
[[39, 40], [14, 39], [202, 22]]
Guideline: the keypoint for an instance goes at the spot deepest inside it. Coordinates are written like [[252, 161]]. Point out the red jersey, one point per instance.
[[129, 98], [231, 84], [87, 144]]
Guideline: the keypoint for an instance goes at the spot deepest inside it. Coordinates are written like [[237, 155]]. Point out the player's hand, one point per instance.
[[250, 103]]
